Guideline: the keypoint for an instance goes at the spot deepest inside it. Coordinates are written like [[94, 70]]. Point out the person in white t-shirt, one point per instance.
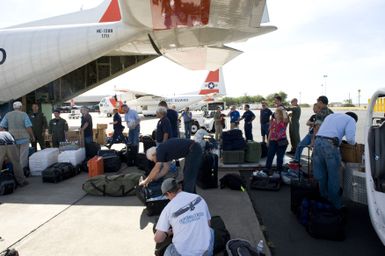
[[187, 217]]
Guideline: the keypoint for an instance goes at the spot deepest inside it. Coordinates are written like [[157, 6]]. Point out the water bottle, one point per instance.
[[260, 248]]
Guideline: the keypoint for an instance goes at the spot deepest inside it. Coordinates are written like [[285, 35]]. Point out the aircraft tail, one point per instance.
[[214, 84]]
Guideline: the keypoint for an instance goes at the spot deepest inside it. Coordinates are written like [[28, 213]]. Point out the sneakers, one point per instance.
[[25, 183], [260, 174]]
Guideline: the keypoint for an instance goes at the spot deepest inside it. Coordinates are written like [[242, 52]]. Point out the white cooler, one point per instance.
[[42, 159], [74, 157]]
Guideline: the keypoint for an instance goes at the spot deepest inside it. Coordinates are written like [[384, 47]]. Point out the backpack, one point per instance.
[[232, 181], [113, 185], [240, 247], [221, 234]]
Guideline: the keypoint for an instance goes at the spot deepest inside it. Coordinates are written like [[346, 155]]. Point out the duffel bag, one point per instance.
[[7, 182], [113, 185]]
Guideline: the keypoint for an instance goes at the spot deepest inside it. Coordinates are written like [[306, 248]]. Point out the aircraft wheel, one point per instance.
[[194, 127]]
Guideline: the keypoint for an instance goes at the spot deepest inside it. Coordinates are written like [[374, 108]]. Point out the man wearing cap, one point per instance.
[[86, 125], [39, 125], [19, 125], [326, 154], [9, 149], [295, 115], [187, 218], [172, 115], [57, 128], [173, 149]]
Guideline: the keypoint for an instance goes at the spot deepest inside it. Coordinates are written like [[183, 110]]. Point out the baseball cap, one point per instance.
[[56, 110], [168, 184]]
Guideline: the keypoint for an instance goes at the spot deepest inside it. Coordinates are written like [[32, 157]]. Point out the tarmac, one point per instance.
[[60, 219]]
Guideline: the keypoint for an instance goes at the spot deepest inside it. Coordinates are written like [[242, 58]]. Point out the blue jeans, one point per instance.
[[88, 139], [326, 168], [187, 130], [273, 150], [171, 250], [133, 136], [191, 168], [248, 131], [304, 143]]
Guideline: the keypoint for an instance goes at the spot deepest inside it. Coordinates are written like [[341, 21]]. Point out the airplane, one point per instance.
[[145, 103], [192, 33]]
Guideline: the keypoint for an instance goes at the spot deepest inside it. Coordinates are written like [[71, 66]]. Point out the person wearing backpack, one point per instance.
[[187, 218]]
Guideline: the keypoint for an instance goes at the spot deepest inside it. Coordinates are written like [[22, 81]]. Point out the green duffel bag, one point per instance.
[[112, 185]]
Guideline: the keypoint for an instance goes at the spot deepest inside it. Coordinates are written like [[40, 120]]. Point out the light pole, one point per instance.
[[322, 89], [359, 96], [325, 76]]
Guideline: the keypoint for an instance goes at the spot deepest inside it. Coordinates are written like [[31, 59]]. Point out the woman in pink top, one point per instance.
[[277, 141]]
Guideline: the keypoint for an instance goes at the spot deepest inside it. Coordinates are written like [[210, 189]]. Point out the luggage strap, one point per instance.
[[103, 191]]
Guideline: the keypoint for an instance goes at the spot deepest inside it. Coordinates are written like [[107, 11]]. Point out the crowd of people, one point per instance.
[[326, 130]]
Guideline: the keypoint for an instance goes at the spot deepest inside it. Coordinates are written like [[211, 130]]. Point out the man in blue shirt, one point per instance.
[[265, 115], [327, 156], [173, 149], [234, 117], [163, 128], [187, 117], [249, 116], [133, 123], [172, 115], [118, 135]]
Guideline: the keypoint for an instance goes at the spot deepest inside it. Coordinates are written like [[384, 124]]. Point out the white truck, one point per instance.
[[206, 116]]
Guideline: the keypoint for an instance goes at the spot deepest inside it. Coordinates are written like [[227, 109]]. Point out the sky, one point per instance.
[[328, 47]]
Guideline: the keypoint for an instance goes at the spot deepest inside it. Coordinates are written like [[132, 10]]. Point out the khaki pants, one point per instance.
[[234, 125], [23, 153], [218, 131], [12, 153]]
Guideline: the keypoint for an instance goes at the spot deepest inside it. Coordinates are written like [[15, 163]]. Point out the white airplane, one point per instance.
[[192, 33], [146, 103]]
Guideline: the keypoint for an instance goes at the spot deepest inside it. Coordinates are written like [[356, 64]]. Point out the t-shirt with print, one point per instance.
[[189, 223]]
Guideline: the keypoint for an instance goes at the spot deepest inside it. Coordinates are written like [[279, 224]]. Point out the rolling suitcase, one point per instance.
[[303, 188], [111, 160], [58, 172], [95, 166], [130, 154], [208, 173], [7, 182], [148, 142], [92, 149], [233, 157], [253, 152], [152, 197]]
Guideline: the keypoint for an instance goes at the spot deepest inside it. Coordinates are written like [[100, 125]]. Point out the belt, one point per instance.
[[333, 140]]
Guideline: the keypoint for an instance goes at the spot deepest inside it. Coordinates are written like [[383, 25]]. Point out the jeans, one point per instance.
[[326, 168], [248, 131], [133, 135], [191, 168], [88, 139], [171, 250], [274, 149], [304, 143], [187, 130]]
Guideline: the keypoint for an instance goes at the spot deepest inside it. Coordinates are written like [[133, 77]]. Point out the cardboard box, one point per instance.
[[101, 126], [352, 153]]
